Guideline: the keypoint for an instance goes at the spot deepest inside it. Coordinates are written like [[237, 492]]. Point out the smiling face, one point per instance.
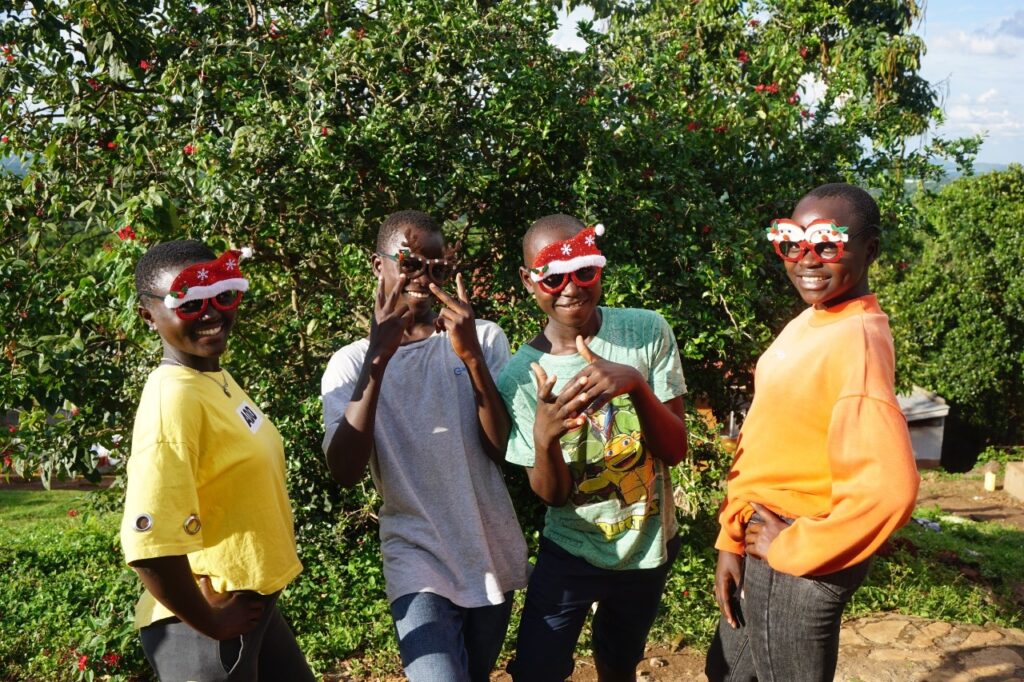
[[423, 244], [574, 307], [823, 285], [197, 343]]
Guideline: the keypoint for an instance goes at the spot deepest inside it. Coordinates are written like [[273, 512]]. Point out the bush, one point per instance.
[[957, 306]]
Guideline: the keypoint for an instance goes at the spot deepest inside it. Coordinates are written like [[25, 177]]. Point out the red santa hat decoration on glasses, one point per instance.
[[569, 255], [207, 280]]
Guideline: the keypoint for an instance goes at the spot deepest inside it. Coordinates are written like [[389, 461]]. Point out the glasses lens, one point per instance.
[[410, 265], [790, 250], [440, 271], [227, 300], [586, 277], [193, 308], [554, 282], [827, 251]]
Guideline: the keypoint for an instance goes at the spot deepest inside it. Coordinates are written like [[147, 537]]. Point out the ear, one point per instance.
[[874, 249], [524, 277], [375, 265], [147, 316]]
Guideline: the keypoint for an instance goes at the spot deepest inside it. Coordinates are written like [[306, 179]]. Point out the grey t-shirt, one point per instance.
[[447, 524]]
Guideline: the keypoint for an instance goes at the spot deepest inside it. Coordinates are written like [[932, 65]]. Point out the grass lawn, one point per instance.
[[66, 609]]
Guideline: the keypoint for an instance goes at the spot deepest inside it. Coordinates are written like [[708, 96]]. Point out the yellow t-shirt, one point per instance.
[[206, 478]]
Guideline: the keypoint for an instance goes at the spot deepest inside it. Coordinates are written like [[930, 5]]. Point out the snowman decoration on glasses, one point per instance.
[[577, 259], [823, 238]]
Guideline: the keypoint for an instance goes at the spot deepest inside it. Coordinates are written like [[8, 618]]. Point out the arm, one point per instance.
[[874, 487], [728, 577], [458, 319], [349, 450], [549, 476], [664, 424], [169, 579]]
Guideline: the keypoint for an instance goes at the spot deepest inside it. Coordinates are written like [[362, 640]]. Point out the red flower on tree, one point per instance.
[[126, 233], [721, 129], [754, 23], [111, 145], [759, 87], [692, 126], [144, 64], [189, 149], [804, 51], [72, 513], [359, 33], [794, 98], [5, 139], [83, 661], [773, 88], [111, 659], [743, 56], [324, 131], [805, 113]]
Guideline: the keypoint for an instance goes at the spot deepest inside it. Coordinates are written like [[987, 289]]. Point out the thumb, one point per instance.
[[590, 356], [765, 513]]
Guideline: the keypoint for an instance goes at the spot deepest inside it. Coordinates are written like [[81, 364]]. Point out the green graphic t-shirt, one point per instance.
[[620, 513]]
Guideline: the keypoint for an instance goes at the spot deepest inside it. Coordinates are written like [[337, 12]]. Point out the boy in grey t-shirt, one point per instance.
[[597, 410], [417, 402]]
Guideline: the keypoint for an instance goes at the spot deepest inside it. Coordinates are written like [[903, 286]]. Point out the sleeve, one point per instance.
[[520, 395], [161, 499], [874, 487], [494, 345], [666, 373], [336, 386]]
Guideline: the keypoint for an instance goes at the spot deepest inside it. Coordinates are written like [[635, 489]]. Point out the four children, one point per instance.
[[595, 414]]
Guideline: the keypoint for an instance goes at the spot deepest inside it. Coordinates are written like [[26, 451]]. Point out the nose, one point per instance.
[[571, 288], [808, 260], [211, 313]]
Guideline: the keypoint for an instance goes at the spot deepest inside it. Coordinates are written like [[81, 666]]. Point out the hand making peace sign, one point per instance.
[[391, 319], [457, 318]]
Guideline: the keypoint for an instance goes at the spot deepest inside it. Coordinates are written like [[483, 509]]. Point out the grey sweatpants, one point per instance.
[[178, 653]]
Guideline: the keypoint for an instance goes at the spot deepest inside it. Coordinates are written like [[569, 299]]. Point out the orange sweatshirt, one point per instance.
[[824, 443]]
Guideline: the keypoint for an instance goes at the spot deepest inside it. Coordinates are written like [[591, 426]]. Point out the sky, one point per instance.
[[975, 59]]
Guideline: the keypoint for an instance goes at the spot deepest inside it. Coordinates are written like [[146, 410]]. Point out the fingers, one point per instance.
[[768, 516], [442, 295], [393, 295], [460, 288], [590, 356], [544, 383]]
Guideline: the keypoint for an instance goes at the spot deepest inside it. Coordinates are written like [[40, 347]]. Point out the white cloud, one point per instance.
[[1012, 26], [980, 119], [1000, 45], [987, 95]]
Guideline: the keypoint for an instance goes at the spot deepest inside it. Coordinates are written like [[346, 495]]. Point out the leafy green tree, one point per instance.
[[957, 306], [295, 127]]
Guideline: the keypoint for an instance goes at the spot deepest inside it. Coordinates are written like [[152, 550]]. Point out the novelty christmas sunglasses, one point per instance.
[[412, 266], [581, 277], [822, 238], [191, 310]]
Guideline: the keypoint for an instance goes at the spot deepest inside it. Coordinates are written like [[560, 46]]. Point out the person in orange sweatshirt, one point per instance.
[[823, 471]]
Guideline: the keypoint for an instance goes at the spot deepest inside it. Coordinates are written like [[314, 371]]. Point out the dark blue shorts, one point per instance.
[[562, 590]]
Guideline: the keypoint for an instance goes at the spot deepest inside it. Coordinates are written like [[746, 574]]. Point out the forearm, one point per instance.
[[549, 477], [169, 579], [352, 443], [664, 424], [490, 410]]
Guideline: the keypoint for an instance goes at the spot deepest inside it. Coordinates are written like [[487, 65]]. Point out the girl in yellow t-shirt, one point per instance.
[[207, 522]]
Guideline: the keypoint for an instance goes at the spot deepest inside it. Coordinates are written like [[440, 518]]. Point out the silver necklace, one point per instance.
[[223, 383]]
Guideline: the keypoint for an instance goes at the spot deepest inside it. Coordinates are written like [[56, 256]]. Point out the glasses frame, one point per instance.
[[566, 276], [428, 265], [188, 316], [806, 246]]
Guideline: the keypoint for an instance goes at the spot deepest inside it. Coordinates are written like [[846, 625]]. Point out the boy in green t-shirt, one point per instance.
[[596, 445]]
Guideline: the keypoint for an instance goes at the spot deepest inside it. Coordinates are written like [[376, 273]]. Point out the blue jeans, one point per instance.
[[788, 626], [563, 588], [442, 642]]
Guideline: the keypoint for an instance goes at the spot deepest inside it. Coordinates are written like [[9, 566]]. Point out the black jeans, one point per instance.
[[788, 626]]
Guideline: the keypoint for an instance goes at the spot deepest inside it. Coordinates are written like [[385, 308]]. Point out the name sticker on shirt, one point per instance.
[[249, 415]]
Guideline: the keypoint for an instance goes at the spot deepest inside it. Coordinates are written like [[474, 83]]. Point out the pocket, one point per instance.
[[842, 584]]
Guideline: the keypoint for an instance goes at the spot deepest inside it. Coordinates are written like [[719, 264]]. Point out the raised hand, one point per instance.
[[457, 318], [234, 613], [391, 319], [728, 578], [554, 417], [760, 534], [598, 382]]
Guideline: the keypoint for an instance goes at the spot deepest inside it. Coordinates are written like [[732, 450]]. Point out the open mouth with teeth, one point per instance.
[[212, 331], [416, 294]]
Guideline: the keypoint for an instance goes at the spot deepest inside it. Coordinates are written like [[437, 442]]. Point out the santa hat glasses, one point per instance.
[[218, 282], [577, 259]]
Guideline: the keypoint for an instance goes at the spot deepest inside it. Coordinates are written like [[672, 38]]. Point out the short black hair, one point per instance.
[[159, 258], [863, 204], [556, 221], [398, 221]]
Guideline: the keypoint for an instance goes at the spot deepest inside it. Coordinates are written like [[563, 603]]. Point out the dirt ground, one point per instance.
[[964, 496]]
